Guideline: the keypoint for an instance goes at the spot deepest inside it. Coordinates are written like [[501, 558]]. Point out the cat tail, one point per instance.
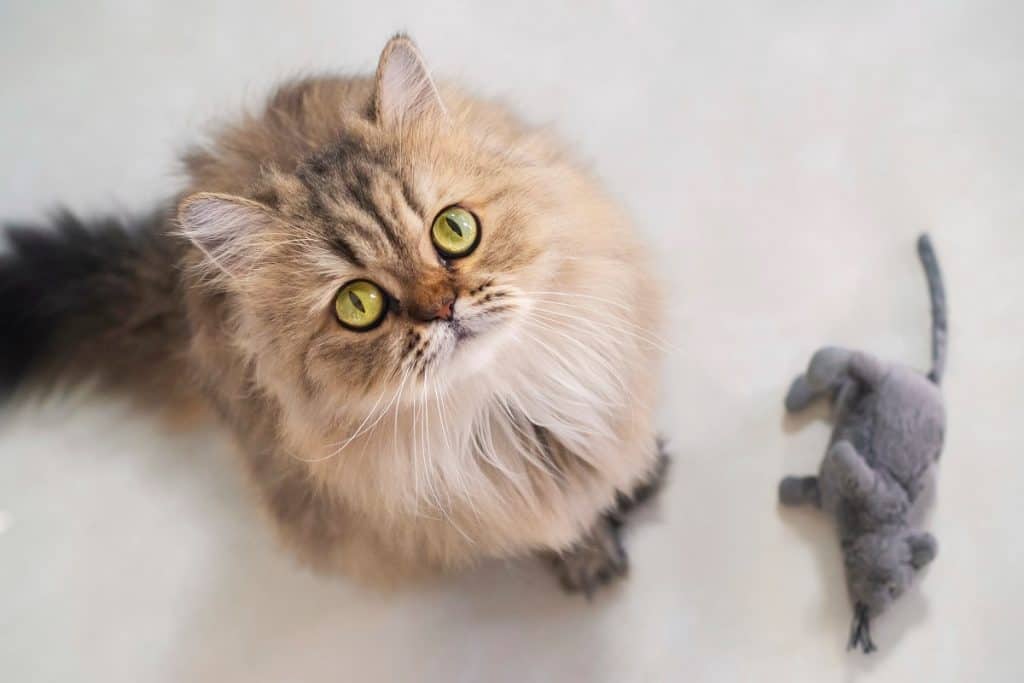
[[92, 301], [937, 294]]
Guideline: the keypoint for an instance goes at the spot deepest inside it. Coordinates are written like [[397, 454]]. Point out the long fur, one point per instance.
[[97, 300], [405, 449]]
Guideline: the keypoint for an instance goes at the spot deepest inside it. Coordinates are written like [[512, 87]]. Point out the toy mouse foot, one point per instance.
[[860, 632], [799, 491]]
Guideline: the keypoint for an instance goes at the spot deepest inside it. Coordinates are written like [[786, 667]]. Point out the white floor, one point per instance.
[[781, 162]]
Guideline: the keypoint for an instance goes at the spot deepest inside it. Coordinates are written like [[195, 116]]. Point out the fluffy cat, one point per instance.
[[433, 334]]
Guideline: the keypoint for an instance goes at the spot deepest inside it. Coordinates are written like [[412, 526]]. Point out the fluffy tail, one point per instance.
[[937, 293], [81, 301]]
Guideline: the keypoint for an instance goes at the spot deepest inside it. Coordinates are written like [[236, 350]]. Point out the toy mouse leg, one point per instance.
[[799, 491], [800, 395], [844, 397], [846, 468]]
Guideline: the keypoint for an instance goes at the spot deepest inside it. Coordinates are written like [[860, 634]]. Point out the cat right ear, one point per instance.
[[224, 228], [403, 88]]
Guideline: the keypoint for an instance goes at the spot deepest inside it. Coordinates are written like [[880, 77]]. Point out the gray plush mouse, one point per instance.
[[889, 426]]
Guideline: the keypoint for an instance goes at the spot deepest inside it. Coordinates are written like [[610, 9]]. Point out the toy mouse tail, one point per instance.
[[937, 293]]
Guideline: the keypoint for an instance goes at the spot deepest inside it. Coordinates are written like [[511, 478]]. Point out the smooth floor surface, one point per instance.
[[779, 157]]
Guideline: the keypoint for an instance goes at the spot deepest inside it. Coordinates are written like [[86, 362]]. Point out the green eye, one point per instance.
[[455, 232], [360, 305]]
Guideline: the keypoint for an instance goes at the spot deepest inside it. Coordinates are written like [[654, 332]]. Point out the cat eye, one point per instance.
[[455, 232], [360, 305]]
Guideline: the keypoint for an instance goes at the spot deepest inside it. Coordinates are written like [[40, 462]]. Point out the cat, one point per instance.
[[432, 332]]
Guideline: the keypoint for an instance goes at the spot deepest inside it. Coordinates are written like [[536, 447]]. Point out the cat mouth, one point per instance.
[[460, 331], [465, 329]]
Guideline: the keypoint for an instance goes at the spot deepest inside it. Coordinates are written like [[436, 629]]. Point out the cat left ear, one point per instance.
[[224, 228], [404, 90]]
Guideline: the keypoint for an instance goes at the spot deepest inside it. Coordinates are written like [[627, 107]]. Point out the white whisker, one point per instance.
[[637, 332]]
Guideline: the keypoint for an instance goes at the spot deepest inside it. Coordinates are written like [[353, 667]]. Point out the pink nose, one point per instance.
[[446, 310]]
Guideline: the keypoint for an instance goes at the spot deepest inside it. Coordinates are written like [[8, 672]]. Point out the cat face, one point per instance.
[[406, 273], [430, 246]]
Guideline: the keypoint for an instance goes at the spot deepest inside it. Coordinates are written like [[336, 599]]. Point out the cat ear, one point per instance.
[[223, 228], [404, 90]]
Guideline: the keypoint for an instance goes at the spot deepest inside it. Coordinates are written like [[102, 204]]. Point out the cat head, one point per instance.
[[426, 236]]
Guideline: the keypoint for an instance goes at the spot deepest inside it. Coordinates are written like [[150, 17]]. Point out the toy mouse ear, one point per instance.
[[923, 549], [403, 90]]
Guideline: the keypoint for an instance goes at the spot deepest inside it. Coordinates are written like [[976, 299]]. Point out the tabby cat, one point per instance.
[[432, 332]]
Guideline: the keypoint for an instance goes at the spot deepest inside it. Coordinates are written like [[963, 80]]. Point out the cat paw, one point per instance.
[[597, 560], [646, 489]]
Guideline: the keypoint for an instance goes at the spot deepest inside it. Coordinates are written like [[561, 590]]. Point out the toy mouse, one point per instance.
[[889, 427]]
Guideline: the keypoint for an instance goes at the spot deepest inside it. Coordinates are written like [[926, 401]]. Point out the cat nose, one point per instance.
[[439, 309], [446, 311]]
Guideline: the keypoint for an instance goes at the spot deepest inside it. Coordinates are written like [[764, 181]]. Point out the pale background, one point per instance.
[[780, 157]]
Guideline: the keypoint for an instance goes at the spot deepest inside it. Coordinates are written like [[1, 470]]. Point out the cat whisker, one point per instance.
[[442, 409], [395, 402], [583, 396], [427, 441], [580, 295], [585, 349], [482, 446], [637, 332], [543, 295], [398, 409], [424, 452], [602, 328], [558, 413], [362, 429], [647, 334], [448, 489]]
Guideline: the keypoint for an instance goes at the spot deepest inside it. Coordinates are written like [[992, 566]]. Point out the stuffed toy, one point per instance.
[[889, 426]]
